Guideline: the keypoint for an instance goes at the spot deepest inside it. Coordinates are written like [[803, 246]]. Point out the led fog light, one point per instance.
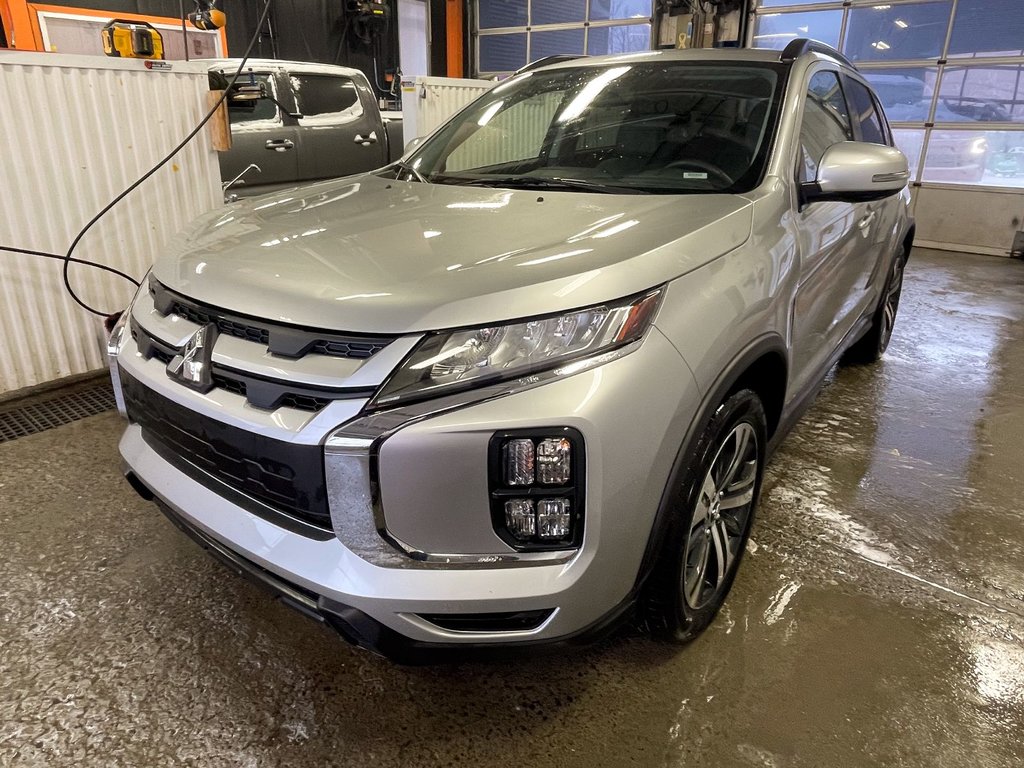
[[536, 479], [554, 458], [519, 518], [519, 459], [554, 520]]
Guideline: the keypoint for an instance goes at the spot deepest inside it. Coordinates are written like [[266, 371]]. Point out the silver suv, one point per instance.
[[524, 381]]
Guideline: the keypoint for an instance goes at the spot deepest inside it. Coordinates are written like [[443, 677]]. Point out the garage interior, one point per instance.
[[878, 618]]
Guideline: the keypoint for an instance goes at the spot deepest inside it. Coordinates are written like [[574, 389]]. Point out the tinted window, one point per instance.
[[777, 30], [891, 32], [262, 109], [988, 27], [618, 39], [620, 9], [502, 53], [324, 94], [501, 13], [826, 122], [865, 115]]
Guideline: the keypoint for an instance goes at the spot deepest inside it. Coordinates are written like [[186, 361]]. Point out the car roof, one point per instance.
[[798, 48], [281, 64]]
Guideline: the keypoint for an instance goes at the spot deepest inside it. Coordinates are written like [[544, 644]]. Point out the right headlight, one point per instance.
[[455, 360]]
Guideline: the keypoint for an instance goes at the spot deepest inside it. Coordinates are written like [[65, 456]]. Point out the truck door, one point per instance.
[[340, 126], [263, 136]]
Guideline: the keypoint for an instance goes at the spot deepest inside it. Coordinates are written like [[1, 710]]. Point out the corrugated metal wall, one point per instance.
[[428, 102], [76, 131]]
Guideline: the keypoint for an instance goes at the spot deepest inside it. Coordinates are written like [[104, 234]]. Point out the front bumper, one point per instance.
[[631, 412]]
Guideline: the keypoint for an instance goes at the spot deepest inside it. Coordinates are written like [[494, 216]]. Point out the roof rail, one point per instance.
[[802, 45]]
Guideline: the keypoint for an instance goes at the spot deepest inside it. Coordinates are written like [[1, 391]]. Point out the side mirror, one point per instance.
[[855, 171], [413, 144]]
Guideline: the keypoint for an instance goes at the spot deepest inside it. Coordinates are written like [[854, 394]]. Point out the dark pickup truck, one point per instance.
[[318, 122]]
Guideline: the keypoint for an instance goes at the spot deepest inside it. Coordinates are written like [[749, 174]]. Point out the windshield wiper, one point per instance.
[[542, 182], [408, 168]]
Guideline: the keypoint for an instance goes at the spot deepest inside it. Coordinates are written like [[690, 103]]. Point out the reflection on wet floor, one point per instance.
[[877, 620]]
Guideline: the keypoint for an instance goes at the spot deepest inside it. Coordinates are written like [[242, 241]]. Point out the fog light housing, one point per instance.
[[536, 488]]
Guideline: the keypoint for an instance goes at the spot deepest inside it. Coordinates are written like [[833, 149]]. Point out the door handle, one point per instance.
[[280, 145], [366, 141], [865, 222]]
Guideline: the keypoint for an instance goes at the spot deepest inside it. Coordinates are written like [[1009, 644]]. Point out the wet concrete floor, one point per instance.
[[877, 621]]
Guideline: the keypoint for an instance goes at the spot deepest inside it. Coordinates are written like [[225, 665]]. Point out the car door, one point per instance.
[[262, 135], [830, 237], [881, 215], [340, 127]]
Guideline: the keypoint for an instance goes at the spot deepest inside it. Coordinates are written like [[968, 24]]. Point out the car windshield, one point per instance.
[[651, 127]]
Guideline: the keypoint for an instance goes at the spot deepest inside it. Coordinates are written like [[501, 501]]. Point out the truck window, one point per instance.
[[326, 95], [263, 110]]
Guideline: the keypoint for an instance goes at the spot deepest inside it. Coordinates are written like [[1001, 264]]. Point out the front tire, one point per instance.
[[711, 521]]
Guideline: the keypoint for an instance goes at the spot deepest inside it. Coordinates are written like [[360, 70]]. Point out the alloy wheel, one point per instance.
[[721, 516], [892, 302]]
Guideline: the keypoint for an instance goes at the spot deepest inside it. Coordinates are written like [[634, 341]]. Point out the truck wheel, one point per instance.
[[872, 345], [711, 523]]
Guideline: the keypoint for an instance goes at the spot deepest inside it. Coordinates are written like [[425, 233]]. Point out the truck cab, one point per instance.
[[317, 122]]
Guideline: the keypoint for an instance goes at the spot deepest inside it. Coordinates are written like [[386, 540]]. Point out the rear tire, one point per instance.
[[713, 511], [872, 345]]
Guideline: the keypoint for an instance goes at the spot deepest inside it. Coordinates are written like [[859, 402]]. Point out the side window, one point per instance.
[[864, 113], [327, 97], [262, 111], [826, 122]]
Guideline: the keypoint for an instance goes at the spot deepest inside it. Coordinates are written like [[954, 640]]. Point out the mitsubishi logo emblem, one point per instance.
[[192, 366]]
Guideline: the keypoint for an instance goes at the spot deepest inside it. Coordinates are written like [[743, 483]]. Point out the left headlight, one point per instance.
[[462, 359]]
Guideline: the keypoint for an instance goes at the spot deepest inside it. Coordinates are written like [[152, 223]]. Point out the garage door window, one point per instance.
[[949, 75], [511, 33]]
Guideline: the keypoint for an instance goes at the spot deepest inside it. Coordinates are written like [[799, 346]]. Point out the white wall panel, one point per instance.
[[427, 102], [77, 130]]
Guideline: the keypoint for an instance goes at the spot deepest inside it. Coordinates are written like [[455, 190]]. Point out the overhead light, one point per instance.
[[881, 45], [901, 23]]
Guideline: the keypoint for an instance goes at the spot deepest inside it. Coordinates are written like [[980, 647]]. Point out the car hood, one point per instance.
[[367, 254]]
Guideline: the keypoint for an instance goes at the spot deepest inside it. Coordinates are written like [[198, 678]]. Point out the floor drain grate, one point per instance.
[[55, 412]]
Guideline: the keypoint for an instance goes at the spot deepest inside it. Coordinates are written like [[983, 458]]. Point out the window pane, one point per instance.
[[324, 94], [262, 110], [992, 158], [988, 28], [989, 94], [864, 113], [776, 30], [910, 141], [559, 41], [622, 39], [558, 11], [502, 53], [906, 94], [825, 123], [501, 13], [886, 32], [601, 10]]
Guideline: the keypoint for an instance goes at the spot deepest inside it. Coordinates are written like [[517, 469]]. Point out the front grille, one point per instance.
[[285, 476], [268, 394], [279, 339]]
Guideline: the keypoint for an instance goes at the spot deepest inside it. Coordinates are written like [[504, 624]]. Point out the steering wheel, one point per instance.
[[703, 165]]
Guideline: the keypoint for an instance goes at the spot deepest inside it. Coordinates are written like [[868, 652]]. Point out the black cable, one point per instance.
[[134, 185], [85, 262]]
